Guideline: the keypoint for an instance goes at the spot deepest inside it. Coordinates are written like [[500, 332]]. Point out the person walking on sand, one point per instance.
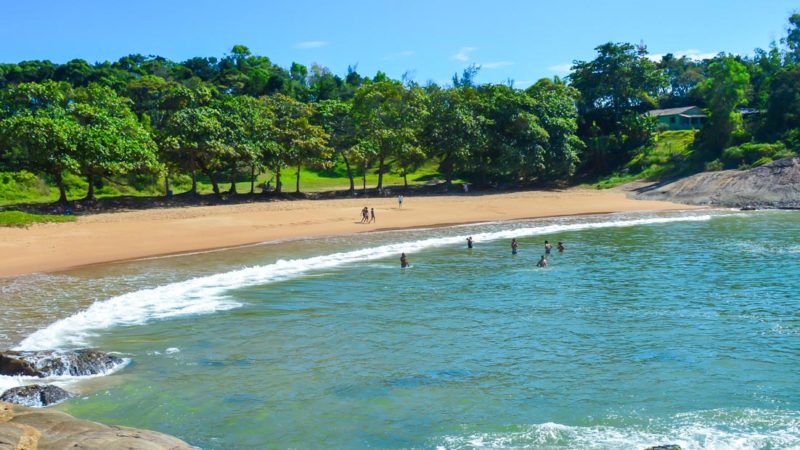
[[364, 215], [548, 247], [469, 242], [513, 246], [400, 201], [542, 262], [403, 261], [372, 215], [561, 247]]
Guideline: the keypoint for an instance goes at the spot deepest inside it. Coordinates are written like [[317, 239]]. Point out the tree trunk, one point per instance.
[[364, 178], [210, 175], [405, 179], [232, 190], [166, 183], [349, 174], [194, 182], [380, 172], [278, 185], [253, 179], [62, 191], [90, 190], [298, 179]]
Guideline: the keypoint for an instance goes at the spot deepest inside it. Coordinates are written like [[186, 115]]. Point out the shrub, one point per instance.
[[714, 166], [751, 154]]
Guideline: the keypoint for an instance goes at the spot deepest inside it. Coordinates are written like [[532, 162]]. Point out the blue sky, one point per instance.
[[431, 39]]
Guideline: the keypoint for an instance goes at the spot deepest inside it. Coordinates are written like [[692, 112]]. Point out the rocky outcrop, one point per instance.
[[773, 185], [26, 428], [56, 362], [35, 395]]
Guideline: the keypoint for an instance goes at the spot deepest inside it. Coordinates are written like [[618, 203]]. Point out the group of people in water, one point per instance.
[[367, 215], [548, 249]]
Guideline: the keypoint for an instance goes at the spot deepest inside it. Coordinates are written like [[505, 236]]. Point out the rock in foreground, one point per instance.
[[35, 395], [27, 428], [57, 362], [773, 185]]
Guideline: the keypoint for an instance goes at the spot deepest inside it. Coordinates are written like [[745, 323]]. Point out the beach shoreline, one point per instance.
[[135, 235]]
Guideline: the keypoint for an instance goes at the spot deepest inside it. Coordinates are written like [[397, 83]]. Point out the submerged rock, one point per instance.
[[27, 428], [35, 395], [57, 362], [665, 447], [773, 185]]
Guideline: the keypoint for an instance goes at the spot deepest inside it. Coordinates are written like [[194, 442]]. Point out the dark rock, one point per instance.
[[665, 447], [57, 362], [773, 185], [35, 395]]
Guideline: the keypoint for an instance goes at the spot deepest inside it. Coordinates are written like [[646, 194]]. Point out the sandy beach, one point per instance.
[[119, 236]]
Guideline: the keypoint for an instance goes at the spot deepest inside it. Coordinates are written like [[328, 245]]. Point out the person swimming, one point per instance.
[[469, 242], [403, 261], [548, 247], [561, 247], [513, 246], [542, 262]]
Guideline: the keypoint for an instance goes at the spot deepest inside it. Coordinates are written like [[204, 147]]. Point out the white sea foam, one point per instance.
[[205, 295], [63, 381], [713, 430]]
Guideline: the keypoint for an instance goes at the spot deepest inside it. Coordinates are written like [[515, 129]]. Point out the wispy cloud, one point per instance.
[[691, 53], [496, 64], [311, 44], [398, 55], [463, 54], [560, 68]]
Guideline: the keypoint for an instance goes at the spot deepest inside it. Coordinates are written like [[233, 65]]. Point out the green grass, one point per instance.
[[24, 187], [23, 219], [670, 154]]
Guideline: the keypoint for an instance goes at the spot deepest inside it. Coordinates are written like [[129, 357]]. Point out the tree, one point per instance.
[[387, 115], [298, 139], [555, 107], [196, 140], [724, 89], [792, 39], [454, 129], [110, 138], [336, 119], [37, 125], [783, 105]]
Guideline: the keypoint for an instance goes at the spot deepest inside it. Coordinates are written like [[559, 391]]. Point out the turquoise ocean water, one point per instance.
[[679, 328]]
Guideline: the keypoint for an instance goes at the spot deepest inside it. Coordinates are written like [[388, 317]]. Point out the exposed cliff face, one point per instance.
[[43, 429], [774, 185]]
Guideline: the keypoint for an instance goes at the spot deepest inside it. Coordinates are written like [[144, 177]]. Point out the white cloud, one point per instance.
[[560, 68], [463, 54], [496, 64], [310, 44], [691, 53], [398, 55]]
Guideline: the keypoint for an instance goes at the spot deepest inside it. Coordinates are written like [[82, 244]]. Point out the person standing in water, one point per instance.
[[469, 242], [513, 246], [403, 261], [372, 215], [548, 247], [561, 247], [542, 262]]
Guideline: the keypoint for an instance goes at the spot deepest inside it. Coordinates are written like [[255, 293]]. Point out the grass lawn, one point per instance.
[[23, 219], [670, 154]]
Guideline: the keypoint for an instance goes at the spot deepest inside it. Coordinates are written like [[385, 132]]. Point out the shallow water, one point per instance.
[[651, 329]]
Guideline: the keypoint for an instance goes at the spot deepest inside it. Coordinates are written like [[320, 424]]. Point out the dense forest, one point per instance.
[[153, 122]]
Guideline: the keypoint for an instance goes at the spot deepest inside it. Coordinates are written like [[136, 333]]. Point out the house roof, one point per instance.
[[672, 111]]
